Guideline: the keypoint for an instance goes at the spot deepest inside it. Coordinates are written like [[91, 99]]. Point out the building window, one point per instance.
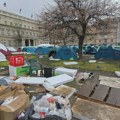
[[1, 29], [11, 24], [13, 32], [20, 25], [22, 32], [24, 26], [16, 24], [5, 22]]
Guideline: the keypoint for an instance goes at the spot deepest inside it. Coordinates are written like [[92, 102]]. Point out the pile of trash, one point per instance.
[[82, 76], [38, 98], [48, 105]]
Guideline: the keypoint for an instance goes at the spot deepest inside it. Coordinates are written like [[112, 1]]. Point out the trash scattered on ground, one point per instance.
[[5, 80], [117, 73], [64, 90], [62, 70], [51, 105], [59, 80], [30, 80], [52, 59], [82, 76], [14, 101], [70, 63], [34, 89], [48, 86], [92, 61]]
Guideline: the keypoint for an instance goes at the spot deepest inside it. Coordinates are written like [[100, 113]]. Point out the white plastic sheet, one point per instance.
[[61, 70], [30, 80], [59, 80]]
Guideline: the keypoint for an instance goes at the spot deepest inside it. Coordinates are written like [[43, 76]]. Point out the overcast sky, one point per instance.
[[28, 7]]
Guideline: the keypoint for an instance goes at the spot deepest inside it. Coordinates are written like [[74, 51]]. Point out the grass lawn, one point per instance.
[[108, 66]]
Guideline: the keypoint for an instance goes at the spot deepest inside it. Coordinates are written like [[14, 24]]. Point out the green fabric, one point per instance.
[[24, 70]]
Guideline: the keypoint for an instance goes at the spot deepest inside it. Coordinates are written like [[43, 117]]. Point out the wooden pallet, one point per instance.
[[100, 93]]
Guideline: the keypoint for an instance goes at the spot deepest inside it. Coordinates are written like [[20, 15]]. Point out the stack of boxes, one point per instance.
[[17, 66]]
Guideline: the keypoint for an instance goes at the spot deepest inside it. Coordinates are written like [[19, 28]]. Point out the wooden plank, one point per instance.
[[100, 92], [114, 97], [86, 89]]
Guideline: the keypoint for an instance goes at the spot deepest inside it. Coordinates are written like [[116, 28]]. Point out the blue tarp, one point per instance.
[[66, 53]]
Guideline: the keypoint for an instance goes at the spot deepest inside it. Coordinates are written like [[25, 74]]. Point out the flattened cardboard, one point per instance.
[[64, 90], [11, 111]]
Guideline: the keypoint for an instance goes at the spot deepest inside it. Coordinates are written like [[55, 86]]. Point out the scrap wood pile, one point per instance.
[[99, 99]]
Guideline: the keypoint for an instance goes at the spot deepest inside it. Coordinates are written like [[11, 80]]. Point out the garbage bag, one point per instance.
[[53, 117], [30, 113]]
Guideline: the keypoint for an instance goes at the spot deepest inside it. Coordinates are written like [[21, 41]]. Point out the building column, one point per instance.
[[23, 42]]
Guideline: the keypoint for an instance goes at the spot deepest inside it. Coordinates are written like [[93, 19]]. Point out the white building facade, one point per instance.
[[17, 31]]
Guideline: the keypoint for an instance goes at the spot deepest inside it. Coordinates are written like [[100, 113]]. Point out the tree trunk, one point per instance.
[[64, 42], [80, 44]]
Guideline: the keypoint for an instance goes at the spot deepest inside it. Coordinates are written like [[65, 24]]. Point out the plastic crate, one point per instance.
[[17, 60]]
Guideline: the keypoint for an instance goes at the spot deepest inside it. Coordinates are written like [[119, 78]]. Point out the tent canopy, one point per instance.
[[4, 50], [43, 50], [66, 53], [29, 49], [108, 52]]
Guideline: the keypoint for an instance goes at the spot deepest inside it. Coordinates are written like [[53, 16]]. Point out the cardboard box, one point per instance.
[[19, 71], [11, 110], [4, 89], [64, 90]]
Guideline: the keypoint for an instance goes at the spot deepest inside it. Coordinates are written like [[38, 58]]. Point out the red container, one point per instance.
[[17, 60]]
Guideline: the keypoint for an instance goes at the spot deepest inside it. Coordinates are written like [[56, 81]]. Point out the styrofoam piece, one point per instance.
[[92, 61], [54, 59], [48, 86], [59, 80], [117, 73], [62, 70], [70, 63], [30, 80]]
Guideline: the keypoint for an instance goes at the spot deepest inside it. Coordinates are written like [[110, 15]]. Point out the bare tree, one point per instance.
[[82, 17]]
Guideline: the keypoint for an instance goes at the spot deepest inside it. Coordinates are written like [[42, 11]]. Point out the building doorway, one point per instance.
[[31, 42], [26, 42]]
